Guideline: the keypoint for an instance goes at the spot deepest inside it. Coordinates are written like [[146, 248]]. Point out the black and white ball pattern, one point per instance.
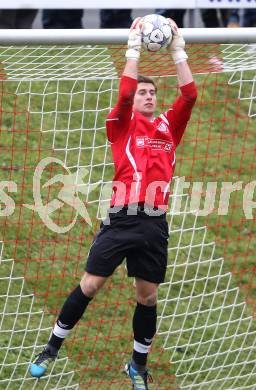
[[156, 32]]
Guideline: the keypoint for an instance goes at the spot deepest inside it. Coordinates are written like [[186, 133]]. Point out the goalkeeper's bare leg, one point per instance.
[[71, 312]]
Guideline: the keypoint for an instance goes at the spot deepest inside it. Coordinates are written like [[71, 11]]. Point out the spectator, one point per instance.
[[211, 18], [56, 18], [234, 18], [175, 14], [17, 18], [115, 18], [249, 18]]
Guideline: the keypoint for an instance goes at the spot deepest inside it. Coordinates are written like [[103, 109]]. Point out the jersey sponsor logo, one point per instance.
[[163, 127], [154, 143]]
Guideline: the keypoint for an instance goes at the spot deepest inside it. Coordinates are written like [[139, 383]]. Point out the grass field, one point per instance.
[[204, 325]]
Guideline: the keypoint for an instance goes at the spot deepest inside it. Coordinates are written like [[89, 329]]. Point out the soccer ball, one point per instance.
[[156, 32]]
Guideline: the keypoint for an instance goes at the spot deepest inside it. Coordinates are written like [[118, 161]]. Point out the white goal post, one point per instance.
[[56, 88], [119, 36]]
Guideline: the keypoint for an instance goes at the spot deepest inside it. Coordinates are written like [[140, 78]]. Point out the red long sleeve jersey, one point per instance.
[[144, 151]]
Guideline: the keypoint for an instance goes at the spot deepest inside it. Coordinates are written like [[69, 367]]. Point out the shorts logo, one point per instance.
[[163, 127], [61, 324]]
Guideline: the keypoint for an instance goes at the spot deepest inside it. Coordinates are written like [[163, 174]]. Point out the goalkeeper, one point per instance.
[[143, 149]]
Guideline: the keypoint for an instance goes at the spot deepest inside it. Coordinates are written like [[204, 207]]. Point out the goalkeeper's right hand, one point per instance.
[[134, 40], [177, 44]]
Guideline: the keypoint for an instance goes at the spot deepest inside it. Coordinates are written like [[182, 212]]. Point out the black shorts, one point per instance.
[[141, 239]]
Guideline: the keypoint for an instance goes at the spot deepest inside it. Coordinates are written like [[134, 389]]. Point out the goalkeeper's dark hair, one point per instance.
[[147, 80]]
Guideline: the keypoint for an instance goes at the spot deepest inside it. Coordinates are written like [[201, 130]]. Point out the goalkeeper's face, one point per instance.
[[145, 99]]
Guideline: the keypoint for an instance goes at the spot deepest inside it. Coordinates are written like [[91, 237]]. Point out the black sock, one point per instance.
[[144, 329], [70, 314]]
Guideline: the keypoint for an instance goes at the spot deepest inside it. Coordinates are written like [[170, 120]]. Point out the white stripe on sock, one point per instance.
[[141, 348], [60, 332]]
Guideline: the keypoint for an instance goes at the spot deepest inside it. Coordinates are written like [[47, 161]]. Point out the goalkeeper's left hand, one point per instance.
[[134, 40], [177, 44]]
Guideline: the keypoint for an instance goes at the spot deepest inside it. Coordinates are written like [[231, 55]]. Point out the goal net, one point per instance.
[[56, 170]]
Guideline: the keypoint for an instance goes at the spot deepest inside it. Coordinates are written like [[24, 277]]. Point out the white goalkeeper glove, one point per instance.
[[134, 40], [177, 44]]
